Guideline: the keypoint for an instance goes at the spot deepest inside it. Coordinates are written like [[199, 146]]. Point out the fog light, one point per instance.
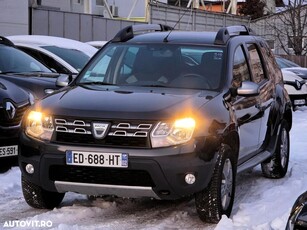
[[30, 168], [190, 178]]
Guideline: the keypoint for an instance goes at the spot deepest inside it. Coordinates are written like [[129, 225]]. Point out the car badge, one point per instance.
[[100, 129], [10, 110], [298, 84]]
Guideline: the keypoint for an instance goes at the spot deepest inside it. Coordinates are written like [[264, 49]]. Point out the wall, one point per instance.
[[14, 17], [82, 27], [193, 19]]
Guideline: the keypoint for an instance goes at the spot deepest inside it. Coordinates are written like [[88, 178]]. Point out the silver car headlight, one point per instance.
[[172, 133], [39, 125]]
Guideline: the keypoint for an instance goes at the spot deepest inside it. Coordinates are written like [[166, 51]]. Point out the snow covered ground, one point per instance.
[[260, 204]]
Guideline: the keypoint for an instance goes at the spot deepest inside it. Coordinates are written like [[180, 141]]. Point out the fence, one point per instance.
[[86, 27], [193, 19], [300, 60]]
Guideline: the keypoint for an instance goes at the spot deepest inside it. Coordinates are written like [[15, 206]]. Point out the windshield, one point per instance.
[[13, 60], [285, 63], [75, 58], [156, 65]]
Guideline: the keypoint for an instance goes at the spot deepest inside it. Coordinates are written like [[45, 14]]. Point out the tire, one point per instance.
[[4, 168], [217, 199], [37, 197], [277, 165]]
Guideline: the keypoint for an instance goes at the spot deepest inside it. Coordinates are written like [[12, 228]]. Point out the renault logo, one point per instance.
[[298, 84], [100, 129], [10, 110]]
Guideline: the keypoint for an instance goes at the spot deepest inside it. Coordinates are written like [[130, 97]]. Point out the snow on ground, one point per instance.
[[260, 203]]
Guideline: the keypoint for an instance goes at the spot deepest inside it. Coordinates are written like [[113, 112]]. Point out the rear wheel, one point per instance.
[[37, 197], [277, 165], [217, 199]]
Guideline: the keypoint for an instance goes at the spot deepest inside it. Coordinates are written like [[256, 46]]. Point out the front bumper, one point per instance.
[[298, 99], [157, 173], [8, 137]]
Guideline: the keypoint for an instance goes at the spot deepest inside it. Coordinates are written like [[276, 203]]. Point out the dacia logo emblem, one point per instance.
[[10, 110], [100, 129]]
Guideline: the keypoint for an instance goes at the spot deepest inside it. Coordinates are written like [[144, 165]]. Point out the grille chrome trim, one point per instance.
[[99, 189], [119, 133], [74, 123]]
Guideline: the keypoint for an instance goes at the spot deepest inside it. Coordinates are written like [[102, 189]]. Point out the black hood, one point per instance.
[[36, 83], [125, 102], [12, 92]]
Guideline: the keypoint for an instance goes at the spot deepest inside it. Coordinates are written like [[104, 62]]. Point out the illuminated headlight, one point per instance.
[[39, 125], [172, 133]]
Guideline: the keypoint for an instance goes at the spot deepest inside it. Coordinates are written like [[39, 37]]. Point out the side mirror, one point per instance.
[[248, 89], [63, 80]]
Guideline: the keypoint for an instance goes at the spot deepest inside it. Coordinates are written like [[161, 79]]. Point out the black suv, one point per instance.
[[14, 101], [164, 114], [22, 80]]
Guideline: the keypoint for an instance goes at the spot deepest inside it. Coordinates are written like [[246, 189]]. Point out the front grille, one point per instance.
[[118, 134], [5, 121], [100, 175]]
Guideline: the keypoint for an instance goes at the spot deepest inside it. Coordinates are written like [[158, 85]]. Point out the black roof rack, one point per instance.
[[225, 33], [130, 31], [5, 41]]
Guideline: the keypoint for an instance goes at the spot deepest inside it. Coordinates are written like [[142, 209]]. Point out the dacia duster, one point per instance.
[[164, 114]]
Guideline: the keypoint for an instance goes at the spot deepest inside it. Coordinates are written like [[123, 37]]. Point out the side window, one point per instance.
[[45, 59], [256, 64], [240, 68]]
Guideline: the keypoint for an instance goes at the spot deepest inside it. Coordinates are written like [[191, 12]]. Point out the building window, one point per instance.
[[78, 1], [99, 2]]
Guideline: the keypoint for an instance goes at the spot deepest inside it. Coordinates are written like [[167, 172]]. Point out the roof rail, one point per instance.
[[130, 31], [5, 41], [225, 33]]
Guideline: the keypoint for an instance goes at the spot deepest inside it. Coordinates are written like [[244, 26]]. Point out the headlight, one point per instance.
[[39, 125], [172, 133]]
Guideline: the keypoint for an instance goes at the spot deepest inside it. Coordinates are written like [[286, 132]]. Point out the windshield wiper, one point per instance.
[[6, 72], [154, 85]]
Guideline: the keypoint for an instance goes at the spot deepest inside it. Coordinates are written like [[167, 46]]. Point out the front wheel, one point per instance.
[[277, 165], [217, 199], [37, 197]]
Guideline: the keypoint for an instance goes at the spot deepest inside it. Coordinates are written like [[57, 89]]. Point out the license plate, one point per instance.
[[7, 151], [118, 160], [299, 102]]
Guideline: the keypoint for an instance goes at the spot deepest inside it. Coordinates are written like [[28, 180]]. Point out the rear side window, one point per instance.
[[256, 63]]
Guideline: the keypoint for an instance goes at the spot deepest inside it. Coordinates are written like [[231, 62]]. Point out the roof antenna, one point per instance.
[[166, 37]]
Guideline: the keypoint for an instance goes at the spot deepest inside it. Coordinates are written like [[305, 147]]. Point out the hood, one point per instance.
[[300, 71], [118, 102], [36, 83], [10, 91], [290, 76]]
